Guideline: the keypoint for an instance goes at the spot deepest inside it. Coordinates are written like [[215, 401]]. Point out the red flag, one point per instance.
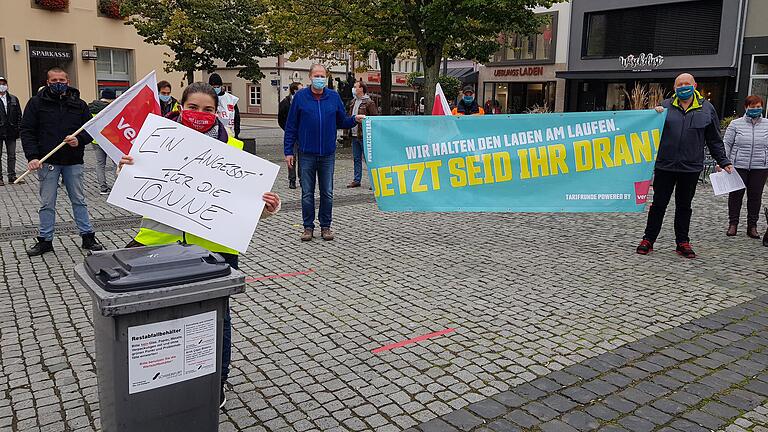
[[440, 107]]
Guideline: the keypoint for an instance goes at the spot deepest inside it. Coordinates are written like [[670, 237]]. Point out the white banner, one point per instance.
[[115, 128], [194, 183]]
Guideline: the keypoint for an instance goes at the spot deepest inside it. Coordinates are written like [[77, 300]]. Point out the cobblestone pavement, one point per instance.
[[529, 296], [755, 421]]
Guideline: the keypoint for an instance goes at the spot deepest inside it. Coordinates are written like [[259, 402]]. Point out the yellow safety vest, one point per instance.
[[154, 233]]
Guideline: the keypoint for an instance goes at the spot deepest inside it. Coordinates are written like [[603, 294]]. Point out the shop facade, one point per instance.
[[618, 44], [96, 51], [753, 70], [521, 77]]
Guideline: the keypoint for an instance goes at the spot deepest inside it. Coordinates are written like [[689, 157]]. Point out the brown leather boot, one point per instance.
[[308, 234], [752, 232], [326, 233], [731, 230]]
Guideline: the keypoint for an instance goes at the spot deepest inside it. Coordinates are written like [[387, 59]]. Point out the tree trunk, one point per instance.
[[190, 77], [385, 62], [432, 57]]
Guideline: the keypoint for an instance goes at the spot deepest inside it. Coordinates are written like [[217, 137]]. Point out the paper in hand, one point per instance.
[[724, 183]]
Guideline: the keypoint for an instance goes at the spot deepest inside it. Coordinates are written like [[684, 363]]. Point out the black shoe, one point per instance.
[[222, 398], [292, 184], [42, 246], [90, 242], [765, 239], [645, 247], [684, 249], [2, 183]]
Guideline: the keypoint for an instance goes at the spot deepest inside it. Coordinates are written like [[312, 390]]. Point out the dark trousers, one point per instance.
[[755, 182], [292, 171], [10, 147], [684, 186], [320, 169], [226, 351]]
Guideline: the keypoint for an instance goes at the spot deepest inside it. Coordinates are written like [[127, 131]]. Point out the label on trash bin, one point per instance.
[[169, 352]]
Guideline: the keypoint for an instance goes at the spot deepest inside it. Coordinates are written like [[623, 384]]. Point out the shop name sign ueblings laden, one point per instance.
[[520, 72], [642, 62]]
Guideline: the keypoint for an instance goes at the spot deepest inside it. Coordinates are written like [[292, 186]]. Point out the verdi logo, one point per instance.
[[124, 128], [641, 62], [641, 191]]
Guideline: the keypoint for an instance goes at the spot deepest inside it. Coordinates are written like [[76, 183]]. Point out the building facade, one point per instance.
[[96, 51], [521, 76], [615, 44], [404, 97]]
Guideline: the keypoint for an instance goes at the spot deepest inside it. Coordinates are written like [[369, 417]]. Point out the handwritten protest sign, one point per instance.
[[194, 183]]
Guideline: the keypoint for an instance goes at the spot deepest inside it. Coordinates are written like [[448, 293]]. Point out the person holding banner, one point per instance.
[[315, 115], [198, 112], [690, 124], [361, 104], [468, 104], [746, 141], [50, 117]]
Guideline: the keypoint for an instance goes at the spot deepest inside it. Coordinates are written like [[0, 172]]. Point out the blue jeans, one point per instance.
[[72, 175], [226, 350], [357, 158], [320, 168]]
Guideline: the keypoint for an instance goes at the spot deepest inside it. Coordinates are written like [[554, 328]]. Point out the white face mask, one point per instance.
[[3, 88]]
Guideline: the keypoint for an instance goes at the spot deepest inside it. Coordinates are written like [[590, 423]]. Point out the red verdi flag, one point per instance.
[[116, 127]]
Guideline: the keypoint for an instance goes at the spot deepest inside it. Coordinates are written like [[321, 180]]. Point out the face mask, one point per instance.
[[165, 98], [684, 92], [198, 120], [217, 90], [58, 88], [318, 83], [3, 88], [754, 112], [468, 99]]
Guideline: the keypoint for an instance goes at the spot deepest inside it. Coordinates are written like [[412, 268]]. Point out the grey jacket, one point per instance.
[[747, 143], [685, 134]]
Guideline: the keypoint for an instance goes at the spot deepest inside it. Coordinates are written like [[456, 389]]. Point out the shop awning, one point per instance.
[[623, 75], [466, 75]]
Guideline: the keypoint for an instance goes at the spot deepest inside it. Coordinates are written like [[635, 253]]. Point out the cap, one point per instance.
[[468, 89], [108, 94], [215, 79], [2, 78]]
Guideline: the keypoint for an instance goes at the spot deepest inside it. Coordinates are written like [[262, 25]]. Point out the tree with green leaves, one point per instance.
[[467, 29], [360, 26], [201, 33]]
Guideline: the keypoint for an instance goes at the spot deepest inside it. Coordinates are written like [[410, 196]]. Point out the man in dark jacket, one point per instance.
[[691, 123], [10, 120], [315, 115], [107, 96], [50, 118], [282, 117]]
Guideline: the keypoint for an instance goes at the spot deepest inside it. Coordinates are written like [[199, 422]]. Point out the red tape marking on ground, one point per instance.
[[284, 275], [414, 340]]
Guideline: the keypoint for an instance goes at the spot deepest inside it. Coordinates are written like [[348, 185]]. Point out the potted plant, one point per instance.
[[53, 5], [110, 8]]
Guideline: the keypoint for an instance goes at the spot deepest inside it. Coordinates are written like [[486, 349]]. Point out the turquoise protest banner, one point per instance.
[[564, 162]]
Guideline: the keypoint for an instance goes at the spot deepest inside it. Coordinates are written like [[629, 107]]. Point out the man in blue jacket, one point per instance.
[[691, 123], [315, 115]]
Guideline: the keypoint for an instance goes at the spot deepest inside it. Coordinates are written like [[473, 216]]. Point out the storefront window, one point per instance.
[[521, 48], [518, 98], [759, 80], [113, 64]]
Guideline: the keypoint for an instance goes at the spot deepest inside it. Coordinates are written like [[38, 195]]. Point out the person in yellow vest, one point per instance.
[[198, 111], [468, 104]]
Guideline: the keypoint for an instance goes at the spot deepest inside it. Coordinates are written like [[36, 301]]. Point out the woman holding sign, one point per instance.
[[746, 142], [198, 112]]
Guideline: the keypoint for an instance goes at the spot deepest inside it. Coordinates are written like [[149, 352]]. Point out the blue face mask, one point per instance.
[[217, 90], [754, 112], [319, 83], [58, 88], [468, 99], [165, 98], [684, 92]]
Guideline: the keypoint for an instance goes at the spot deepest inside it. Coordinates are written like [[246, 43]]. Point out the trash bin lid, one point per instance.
[[141, 268]]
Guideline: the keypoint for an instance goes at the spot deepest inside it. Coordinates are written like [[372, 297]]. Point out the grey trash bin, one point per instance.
[[158, 317]]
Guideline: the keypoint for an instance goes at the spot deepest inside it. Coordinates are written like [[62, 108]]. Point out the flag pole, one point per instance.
[[45, 158]]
